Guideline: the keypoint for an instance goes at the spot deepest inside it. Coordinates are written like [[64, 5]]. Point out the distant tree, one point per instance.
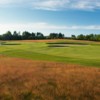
[[73, 37], [60, 36], [32, 36], [7, 36], [81, 37], [0, 37], [26, 35], [56, 35], [90, 37], [39, 35], [53, 36], [97, 37], [16, 36]]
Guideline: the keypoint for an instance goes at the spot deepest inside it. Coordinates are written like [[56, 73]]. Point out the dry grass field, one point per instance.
[[60, 40], [22, 79], [48, 40]]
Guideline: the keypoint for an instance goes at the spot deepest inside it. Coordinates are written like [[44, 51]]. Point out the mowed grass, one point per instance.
[[68, 51], [22, 79]]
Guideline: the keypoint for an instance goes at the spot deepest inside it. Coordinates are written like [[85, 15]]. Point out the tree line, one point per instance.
[[38, 35], [29, 36], [90, 37]]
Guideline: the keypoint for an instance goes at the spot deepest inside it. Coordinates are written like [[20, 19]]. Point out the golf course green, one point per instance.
[[68, 51]]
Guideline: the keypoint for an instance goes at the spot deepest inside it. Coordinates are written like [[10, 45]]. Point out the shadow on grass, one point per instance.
[[30, 96], [5, 43], [57, 46], [11, 44], [72, 43], [65, 44]]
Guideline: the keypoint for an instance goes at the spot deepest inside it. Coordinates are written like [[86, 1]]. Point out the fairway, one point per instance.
[[67, 51]]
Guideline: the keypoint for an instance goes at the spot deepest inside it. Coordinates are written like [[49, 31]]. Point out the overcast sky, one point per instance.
[[66, 16]]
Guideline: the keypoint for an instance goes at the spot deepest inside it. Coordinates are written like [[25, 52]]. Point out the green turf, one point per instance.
[[83, 53]]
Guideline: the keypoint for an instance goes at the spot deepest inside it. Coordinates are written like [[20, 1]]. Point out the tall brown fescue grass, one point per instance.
[[59, 40], [22, 79]]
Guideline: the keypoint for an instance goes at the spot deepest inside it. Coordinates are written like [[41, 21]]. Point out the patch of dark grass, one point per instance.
[[6, 97], [53, 84], [11, 44], [58, 46], [56, 43], [1, 43], [63, 97], [65, 44], [73, 43], [28, 95]]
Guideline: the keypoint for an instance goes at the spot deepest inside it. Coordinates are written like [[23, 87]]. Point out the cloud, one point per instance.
[[66, 4], [50, 4], [30, 27], [3, 2], [41, 26], [54, 5], [10, 2]]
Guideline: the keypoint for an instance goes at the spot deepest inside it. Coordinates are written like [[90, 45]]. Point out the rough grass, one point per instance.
[[22, 79], [60, 40]]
